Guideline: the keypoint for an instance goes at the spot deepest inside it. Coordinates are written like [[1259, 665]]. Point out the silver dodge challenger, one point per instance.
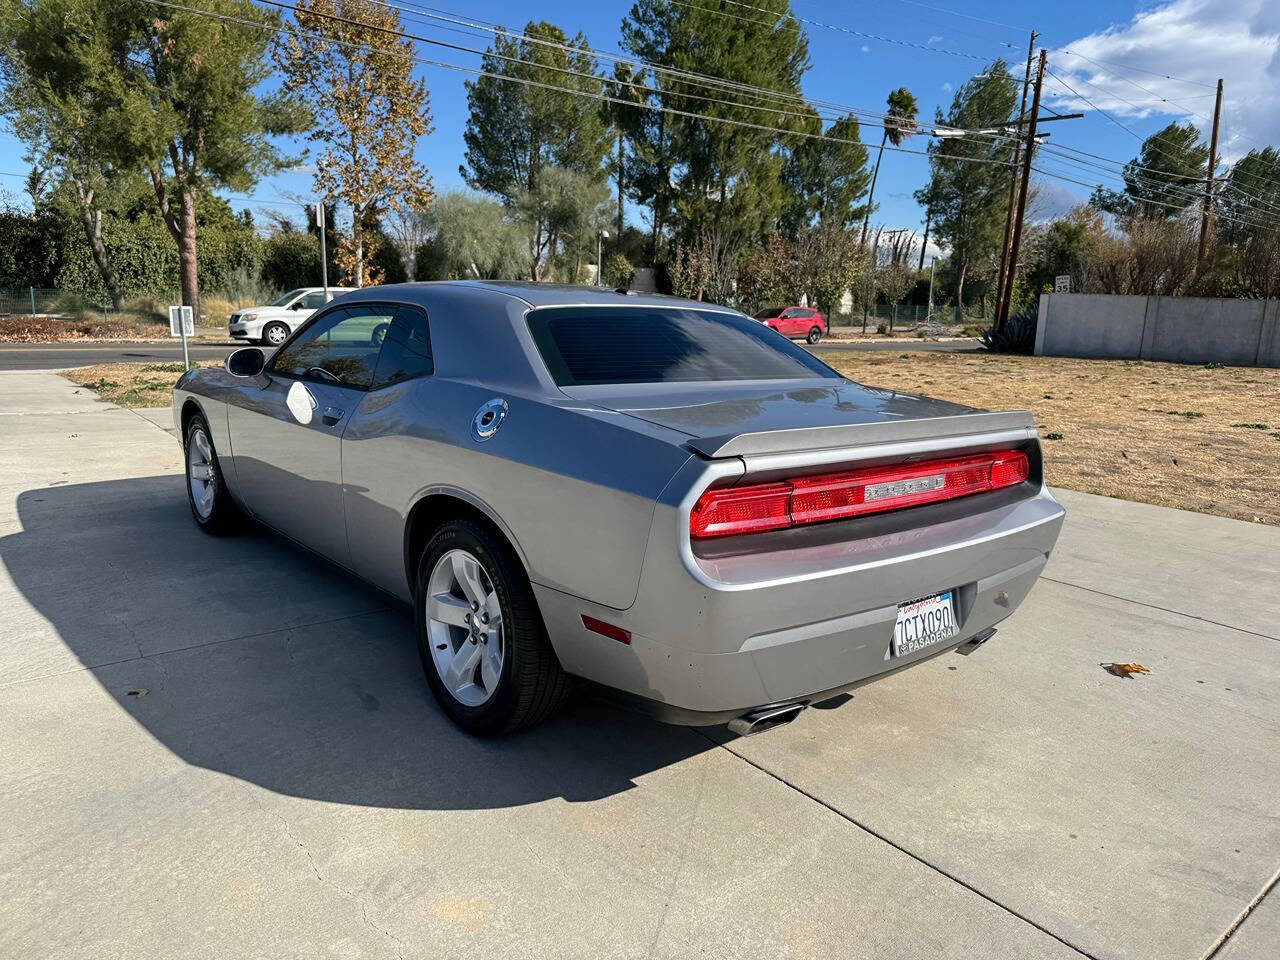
[[663, 497]]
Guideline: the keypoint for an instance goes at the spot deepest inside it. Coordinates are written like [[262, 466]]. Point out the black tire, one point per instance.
[[814, 335], [532, 684], [274, 328], [223, 515]]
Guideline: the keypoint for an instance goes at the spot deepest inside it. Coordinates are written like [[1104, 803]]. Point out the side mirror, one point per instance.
[[246, 362]]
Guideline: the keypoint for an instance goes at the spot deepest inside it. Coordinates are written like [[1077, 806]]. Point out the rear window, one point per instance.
[[582, 346], [768, 313]]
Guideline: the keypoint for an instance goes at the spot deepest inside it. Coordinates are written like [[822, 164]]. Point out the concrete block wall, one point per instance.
[[1178, 329]]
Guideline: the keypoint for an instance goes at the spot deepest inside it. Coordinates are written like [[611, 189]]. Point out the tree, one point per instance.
[[899, 123], [163, 93], [562, 214], [624, 119], [1164, 179], [827, 177], [707, 167], [1061, 247], [470, 236], [769, 275], [966, 193], [522, 122], [829, 258], [354, 67]]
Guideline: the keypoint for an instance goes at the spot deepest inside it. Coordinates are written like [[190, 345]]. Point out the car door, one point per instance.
[[787, 324], [308, 303], [286, 435]]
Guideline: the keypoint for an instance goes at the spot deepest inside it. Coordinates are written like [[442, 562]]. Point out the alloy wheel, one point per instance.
[[464, 627], [201, 475]]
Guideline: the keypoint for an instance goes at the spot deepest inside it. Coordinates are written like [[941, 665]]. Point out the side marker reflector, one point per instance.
[[606, 629]]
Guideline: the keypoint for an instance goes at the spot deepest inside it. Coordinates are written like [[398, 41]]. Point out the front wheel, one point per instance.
[[274, 334], [481, 639], [814, 335], [211, 504]]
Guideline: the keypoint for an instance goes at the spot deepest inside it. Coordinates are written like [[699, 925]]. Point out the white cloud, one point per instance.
[[934, 39], [1197, 40], [947, 86], [865, 48]]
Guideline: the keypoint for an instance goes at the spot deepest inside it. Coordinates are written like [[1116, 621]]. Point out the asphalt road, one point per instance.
[[59, 356], [223, 747]]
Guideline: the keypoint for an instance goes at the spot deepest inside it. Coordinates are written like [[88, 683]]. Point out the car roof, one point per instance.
[[543, 294]]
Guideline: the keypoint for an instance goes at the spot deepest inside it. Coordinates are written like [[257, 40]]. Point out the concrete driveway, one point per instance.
[[224, 748]]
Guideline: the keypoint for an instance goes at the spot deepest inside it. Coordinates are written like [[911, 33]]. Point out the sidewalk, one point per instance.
[[225, 748]]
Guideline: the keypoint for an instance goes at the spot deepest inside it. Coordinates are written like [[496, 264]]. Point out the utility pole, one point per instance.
[[1002, 313], [1013, 178], [1208, 180], [929, 310]]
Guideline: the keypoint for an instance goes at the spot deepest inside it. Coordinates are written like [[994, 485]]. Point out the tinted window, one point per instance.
[[583, 346], [313, 301], [406, 352], [340, 347], [768, 313]]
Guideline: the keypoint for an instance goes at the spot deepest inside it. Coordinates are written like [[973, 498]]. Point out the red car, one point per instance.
[[798, 323]]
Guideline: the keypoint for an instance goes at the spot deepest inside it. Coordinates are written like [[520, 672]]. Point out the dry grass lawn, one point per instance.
[[132, 384], [1192, 437]]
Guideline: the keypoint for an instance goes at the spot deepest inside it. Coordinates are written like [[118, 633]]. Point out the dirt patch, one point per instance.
[[131, 384], [1193, 437]]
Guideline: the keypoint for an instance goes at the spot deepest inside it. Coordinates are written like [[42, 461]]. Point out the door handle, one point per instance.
[[332, 415]]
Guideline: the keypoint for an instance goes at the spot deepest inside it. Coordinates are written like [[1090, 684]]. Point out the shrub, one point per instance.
[[1018, 335], [290, 260], [618, 271], [882, 328]]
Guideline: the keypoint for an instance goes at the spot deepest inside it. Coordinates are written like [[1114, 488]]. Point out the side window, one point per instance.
[[790, 314], [312, 301], [339, 347], [406, 352]]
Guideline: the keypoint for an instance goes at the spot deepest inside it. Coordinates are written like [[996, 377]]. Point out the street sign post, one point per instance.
[[324, 257], [182, 323]]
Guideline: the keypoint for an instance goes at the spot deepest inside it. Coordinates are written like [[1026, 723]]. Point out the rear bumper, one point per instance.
[[711, 640]]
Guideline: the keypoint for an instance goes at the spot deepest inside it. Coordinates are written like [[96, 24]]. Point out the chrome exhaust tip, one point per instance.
[[758, 721]]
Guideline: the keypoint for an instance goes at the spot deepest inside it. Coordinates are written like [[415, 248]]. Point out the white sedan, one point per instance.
[[271, 324]]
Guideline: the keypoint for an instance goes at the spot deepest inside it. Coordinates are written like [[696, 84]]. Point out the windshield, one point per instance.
[[583, 346], [768, 313], [284, 300]]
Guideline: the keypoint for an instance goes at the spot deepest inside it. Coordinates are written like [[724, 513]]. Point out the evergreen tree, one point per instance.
[[827, 177], [967, 195], [1165, 178], [524, 125]]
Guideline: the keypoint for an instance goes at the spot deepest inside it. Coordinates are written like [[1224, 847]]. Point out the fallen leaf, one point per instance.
[[1126, 669]]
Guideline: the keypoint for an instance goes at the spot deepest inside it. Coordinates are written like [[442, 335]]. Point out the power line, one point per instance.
[[585, 93]]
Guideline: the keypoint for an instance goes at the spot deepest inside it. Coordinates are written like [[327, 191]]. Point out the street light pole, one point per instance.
[[324, 257], [600, 238], [929, 310]]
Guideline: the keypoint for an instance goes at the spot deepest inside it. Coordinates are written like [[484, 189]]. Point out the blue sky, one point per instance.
[[880, 46]]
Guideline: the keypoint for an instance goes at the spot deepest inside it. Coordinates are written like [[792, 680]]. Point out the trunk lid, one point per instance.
[[762, 418]]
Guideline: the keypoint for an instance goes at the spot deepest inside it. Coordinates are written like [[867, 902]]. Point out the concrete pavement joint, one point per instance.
[[901, 849], [1156, 606], [315, 870], [195, 646], [1244, 915]]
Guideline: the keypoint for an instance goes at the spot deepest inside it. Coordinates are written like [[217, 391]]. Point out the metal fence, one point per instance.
[[29, 300]]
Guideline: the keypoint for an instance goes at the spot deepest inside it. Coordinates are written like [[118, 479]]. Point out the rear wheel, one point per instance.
[[814, 335], [481, 639], [274, 334], [211, 504]]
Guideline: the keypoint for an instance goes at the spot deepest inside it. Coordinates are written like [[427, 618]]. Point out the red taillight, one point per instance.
[[833, 496]]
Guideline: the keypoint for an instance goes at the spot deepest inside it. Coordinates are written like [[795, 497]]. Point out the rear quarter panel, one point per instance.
[[574, 488]]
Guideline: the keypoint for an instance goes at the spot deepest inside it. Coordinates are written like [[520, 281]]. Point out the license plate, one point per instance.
[[922, 623]]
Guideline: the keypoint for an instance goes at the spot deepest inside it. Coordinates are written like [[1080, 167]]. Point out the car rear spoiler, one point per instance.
[[1000, 426]]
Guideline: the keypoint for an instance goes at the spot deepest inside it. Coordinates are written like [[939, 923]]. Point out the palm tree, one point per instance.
[[899, 123]]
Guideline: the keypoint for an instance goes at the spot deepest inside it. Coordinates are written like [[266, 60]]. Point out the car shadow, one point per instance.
[[249, 656]]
